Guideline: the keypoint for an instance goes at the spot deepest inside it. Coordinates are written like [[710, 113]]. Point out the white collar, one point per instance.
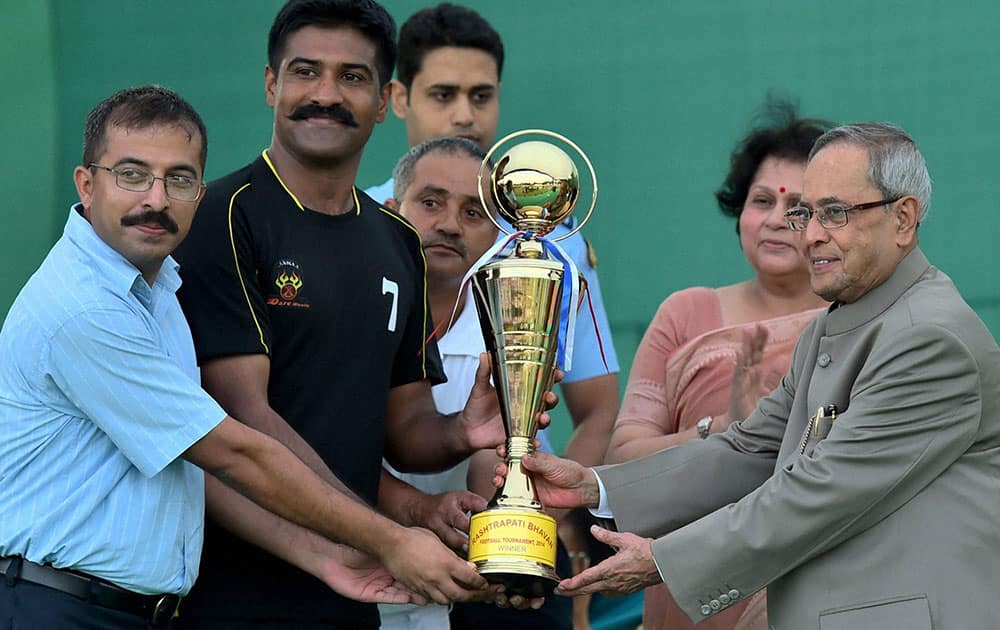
[[464, 337]]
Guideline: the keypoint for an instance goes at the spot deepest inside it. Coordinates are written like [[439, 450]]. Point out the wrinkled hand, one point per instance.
[[357, 575], [428, 568], [481, 416], [631, 569], [559, 483], [447, 512]]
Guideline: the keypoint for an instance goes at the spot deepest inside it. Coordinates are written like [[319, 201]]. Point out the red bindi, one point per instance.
[[782, 189]]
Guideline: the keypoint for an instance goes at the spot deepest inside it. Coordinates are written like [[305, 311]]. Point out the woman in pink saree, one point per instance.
[[710, 354]]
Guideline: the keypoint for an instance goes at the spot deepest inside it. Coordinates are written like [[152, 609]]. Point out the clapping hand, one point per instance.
[[749, 382]]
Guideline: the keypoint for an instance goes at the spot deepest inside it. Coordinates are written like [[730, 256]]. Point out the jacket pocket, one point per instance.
[[908, 612]]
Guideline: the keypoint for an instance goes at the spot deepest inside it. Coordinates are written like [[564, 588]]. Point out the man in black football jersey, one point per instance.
[[307, 303]]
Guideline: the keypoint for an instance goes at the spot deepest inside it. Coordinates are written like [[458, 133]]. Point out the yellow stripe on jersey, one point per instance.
[[267, 159], [270, 164], [236, 263]]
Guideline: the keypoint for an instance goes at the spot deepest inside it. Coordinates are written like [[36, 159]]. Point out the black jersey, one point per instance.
[[339, 305]]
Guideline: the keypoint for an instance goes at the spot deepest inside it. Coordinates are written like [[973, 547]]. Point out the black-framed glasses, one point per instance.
[[831, 217], [133, 179]]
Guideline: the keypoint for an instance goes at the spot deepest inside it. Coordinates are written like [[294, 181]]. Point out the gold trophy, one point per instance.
[[521, 304]]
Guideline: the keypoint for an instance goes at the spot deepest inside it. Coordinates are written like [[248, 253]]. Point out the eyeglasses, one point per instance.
[[132, 179], [831, 217]]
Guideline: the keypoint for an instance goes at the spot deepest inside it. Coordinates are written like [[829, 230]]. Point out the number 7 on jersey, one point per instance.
[[388, 286]]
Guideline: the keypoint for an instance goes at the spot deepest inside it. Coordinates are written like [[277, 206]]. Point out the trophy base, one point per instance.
[[515, 547], [520, 577]]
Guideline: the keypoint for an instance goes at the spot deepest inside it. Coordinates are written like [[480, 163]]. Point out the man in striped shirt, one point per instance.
[[103, 425]]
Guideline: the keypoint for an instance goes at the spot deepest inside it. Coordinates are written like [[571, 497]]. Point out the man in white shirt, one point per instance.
[[448, 84], [435, 189]]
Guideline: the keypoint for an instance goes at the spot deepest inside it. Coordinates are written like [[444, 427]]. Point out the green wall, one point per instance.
[[655, 92], [29, 102]]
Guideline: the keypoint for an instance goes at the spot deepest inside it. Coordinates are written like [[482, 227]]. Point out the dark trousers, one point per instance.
[[27, 606]]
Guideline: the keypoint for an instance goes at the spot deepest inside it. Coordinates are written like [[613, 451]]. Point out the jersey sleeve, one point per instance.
[[221, 294], [418, 356]]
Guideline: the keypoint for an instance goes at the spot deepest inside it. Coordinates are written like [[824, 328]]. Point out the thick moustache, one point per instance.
[[151, 218], [335, 113]]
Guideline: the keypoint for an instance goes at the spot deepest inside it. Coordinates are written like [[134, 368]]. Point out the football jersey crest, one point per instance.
[[286, 285]]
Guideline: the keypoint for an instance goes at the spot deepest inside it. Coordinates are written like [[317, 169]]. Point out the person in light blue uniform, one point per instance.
[[103, 424]]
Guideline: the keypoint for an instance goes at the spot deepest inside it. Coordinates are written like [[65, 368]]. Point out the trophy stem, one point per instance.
[[519, 300], [517, 490]]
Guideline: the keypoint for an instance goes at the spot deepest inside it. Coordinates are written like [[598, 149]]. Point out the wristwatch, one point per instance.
[[705, 426]]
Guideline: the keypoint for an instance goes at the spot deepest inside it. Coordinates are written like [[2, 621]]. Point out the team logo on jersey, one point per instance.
[[286, 277], [288, 285]]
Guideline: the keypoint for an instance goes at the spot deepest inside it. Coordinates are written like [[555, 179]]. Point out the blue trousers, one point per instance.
[[31, 606]]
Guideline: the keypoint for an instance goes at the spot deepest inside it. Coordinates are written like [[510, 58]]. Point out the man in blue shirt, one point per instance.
[[103, 425]]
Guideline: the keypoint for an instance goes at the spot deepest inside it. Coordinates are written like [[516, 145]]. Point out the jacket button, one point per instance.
[[724, 599], [715, 604], [706, 610], [823, 360], [734, 594]]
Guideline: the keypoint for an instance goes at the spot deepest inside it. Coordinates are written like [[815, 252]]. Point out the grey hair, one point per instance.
[[895, 165], [402, 175]]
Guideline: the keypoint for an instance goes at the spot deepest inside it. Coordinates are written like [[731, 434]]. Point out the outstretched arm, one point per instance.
[[249, 462], [270, 475], [239, 383], [914, 410], [347, 571]]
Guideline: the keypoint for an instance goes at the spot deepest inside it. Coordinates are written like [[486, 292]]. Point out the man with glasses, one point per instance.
[[103, 427], [862, 492]]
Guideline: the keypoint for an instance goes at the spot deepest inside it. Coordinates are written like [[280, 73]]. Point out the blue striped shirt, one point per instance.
[[99, 396]]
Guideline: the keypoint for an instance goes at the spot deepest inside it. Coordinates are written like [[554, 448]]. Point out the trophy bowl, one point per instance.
[[535, 184]]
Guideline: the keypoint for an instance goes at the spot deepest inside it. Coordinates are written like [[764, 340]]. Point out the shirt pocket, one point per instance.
[[910, 611]]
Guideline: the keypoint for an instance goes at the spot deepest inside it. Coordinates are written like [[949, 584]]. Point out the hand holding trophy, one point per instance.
[[526, 297]]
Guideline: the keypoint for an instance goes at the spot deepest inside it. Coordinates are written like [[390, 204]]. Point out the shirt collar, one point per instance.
[[846, 317], [273, 171], [121, 275]]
